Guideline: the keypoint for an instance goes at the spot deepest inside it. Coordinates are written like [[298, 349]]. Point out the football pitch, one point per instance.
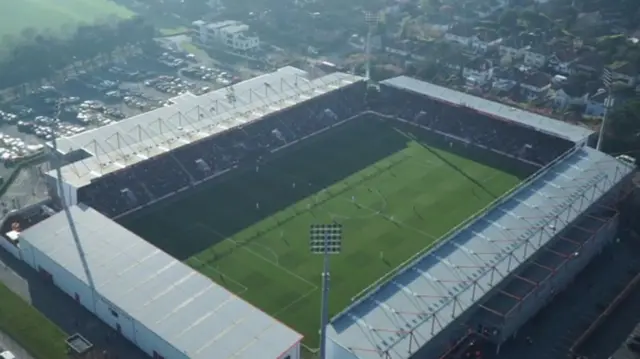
[[393, 194]]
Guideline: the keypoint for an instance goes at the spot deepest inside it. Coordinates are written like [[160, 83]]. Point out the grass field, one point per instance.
[[52, 15], [29, 328], [393, 194]]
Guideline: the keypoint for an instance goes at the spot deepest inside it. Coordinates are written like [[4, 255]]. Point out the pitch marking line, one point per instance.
[[260, 256], [346, 218], [212, 268], [294, 302], [361, 180]]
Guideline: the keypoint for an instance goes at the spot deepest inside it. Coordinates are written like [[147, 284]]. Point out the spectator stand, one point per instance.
[[153, 156]]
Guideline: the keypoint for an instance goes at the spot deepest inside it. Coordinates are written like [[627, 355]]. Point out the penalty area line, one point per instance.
[[260, 256]]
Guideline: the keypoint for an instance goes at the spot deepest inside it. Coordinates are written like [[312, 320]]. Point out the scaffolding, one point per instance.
[[403, 312], [190, 119]]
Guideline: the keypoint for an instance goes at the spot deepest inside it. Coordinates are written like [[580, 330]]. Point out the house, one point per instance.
[[503, 80], [524, 46], [478, 71], [409, 49], [511, 47], [561, 61], [466, 36], [535, 57], [460, 33], [590, 63], [595, 104], [230, 33], [621, 72], [569, 96], [534, 85]]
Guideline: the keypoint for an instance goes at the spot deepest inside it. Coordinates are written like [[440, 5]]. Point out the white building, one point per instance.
[[164, 307], [230, 33]]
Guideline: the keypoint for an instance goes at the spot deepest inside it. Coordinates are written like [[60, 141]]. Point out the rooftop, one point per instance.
[[221, 24], [180, 305], [544, 124], [623, 67], [536, 79], [409, 307], [190, 119]]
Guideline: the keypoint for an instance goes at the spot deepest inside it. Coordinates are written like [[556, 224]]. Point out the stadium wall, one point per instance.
[[543, 295], [58, 275], [69, 194], [10, 248], [109, 313]]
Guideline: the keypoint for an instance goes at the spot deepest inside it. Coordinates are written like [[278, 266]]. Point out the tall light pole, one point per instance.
[[325, 240], [372, 21], [608, 105]]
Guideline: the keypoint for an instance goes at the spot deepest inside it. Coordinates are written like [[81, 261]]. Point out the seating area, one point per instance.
[[162, 176], [469, 125]]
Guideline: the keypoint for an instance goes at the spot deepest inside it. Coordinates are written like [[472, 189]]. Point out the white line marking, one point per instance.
[[258, 255], [296, 301]]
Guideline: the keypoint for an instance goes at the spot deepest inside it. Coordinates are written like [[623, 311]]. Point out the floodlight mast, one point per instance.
[[372, 21], [325, 239], [608, 106], [324, 310]]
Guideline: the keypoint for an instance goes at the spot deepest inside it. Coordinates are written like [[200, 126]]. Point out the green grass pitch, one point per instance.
[[49, 16], [393, 194]]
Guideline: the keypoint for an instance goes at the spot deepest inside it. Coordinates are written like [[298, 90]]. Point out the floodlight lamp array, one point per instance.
[[325, 238]]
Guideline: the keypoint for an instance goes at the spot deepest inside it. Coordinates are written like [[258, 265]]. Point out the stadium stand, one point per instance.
[[494, 272], [466, 123], [479, 284], [199, 144]]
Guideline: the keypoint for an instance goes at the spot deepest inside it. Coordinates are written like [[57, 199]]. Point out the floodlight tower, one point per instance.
[[57, 160], [326, 240], [608, 105], [372, 21]]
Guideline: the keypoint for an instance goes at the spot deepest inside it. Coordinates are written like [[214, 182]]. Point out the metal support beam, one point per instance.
[[492, 311]]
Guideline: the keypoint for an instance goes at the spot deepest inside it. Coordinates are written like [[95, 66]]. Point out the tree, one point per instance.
[[34, 57], [508, 19]]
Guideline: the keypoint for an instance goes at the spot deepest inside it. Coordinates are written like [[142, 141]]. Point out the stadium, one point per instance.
[[186, 228]]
